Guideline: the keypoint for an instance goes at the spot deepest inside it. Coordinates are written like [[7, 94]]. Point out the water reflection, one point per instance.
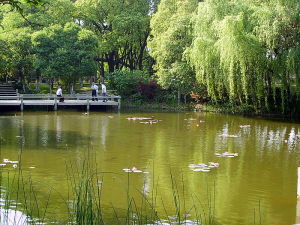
[[261, 181]]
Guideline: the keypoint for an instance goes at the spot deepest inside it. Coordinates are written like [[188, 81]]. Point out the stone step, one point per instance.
[[8, 94], [7, 89]]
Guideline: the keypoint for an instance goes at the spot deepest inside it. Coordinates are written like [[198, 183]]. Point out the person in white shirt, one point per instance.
[[59, 94], [94, 91], [103, 91]]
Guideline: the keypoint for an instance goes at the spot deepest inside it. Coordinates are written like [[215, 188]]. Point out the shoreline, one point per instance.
[[208, 108]]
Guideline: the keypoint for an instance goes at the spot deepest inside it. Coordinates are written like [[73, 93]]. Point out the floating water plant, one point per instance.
[[244, 126], [139, 118], [134, 170], [228, 135], [201, 167], [150, 122], [9, 161], [227, 154]]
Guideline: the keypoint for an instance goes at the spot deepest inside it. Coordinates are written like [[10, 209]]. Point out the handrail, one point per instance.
[[52, 96], [20, 98]]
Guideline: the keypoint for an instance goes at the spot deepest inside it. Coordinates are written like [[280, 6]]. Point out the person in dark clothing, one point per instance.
[[94, 91]]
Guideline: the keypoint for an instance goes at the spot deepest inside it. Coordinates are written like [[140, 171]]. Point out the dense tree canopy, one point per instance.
[[16, 54], [16, 3], [171, 35], [122, 28], [242, 52], [247, 50], [65, 52], [48, 43]]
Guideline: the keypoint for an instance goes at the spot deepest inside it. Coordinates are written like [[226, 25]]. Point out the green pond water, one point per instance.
[[259, 186]]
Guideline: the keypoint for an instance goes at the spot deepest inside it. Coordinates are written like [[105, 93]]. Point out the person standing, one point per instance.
[[103, 87], [94, 91], [59, 94]]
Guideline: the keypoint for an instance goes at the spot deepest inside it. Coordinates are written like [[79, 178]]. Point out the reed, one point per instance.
[[85, 195], [21, 203]]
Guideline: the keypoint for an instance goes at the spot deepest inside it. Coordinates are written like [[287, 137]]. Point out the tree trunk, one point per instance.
[[72, 88], [21, 79], [37, 84], [111, 62], [50, 85], [102, 72]]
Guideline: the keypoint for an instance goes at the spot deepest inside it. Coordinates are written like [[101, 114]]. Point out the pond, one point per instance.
[[256, 185]]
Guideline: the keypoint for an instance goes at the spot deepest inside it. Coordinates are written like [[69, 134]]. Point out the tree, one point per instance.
[[245, 51], [16, 3], [171, 28], [17, 52], [65, 52], [122, 28], [4, 60], [31, 19]]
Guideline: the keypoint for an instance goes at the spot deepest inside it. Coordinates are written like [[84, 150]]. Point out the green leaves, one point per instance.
[[236, 44], [171, 35], [122, 28], [241, 51], [65, 52]]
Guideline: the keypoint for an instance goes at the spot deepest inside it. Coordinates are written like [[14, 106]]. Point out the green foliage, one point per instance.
[[65, 52], [239, 52], [242, 49], [51, 13], [171, 35], [15, 4], [122, 28], [17, 58], [16, 55], [125, 82]]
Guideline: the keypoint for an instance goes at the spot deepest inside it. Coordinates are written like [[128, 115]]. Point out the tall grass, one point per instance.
[[86, 188], [86, 208], [16, 188], [85, 195]]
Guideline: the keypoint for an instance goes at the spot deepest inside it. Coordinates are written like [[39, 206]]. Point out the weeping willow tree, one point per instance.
[[246, 52]]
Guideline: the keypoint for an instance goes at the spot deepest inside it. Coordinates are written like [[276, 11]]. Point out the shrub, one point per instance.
[[125, 82], [148, 90], [135, 85]]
